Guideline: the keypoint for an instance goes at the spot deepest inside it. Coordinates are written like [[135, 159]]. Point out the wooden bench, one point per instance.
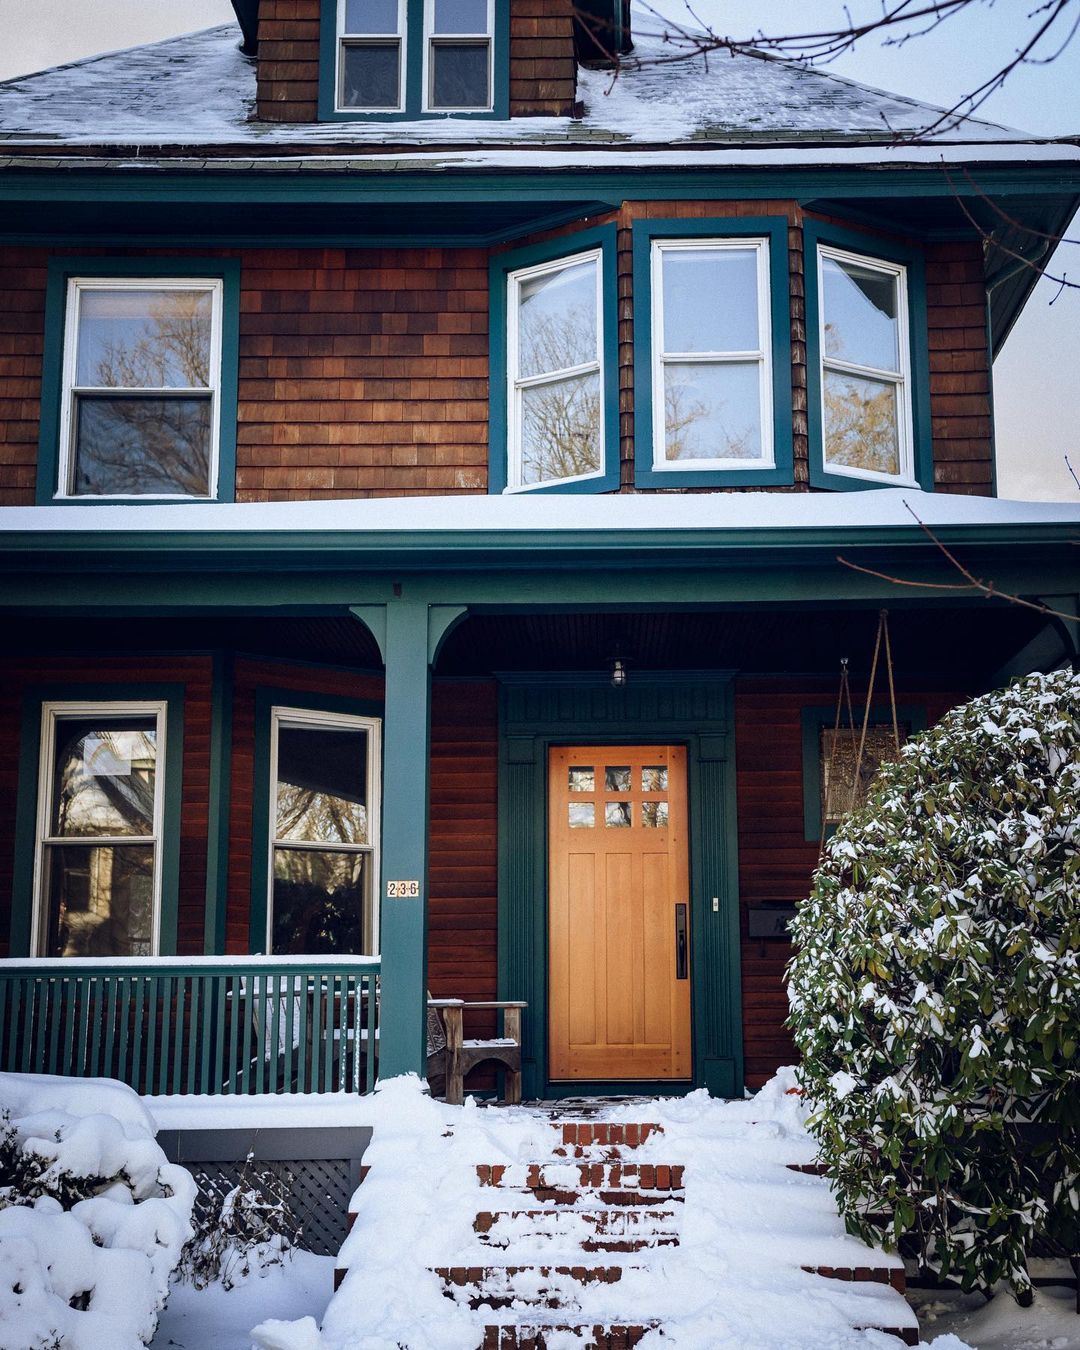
[[450, 1056]]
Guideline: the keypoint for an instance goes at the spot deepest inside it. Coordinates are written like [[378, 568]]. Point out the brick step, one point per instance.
[[521, 1286], [884, 1310], [520, 1337], [893, 1276], [590, 1230], [612, 1183], [605, 1134]]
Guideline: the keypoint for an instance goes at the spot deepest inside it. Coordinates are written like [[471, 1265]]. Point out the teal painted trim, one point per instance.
[[990, 396], [696, 710], [268, 697], [22, 939], [60, 271], [871, 246], [819, 715], [605, 238], [217, 842], [413, 111], [773, 228]]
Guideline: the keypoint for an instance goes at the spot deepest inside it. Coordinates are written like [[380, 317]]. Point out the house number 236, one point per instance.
[[402, 890]]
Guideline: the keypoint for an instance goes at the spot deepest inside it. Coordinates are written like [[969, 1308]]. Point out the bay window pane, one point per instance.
[[104, 778], [561, 426], [322, 785], [710, 300], [320, 902], [370, 75], [861, 307], [144, 339], [371, 16], [100, 899], [459, 75], [141, 445], [712, 411], [461, 16], [557, 319], [862, 428]]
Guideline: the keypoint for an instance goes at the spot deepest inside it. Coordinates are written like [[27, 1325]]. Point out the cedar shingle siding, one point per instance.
[[542, 66], [287, 80]]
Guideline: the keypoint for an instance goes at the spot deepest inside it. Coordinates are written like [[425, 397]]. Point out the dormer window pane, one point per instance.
[[371, 16], [459, 54], [461, 16], [371, 76], [712, 354]]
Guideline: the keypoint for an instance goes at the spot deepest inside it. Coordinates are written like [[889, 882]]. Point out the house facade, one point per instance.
[[448, 454]]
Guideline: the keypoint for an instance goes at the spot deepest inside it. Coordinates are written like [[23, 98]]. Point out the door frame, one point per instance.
[[694, 709]]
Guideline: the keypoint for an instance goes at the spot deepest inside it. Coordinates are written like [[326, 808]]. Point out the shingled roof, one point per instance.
[[199, 91]]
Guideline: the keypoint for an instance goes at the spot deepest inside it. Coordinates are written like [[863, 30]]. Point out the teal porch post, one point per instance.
[[403, 891]]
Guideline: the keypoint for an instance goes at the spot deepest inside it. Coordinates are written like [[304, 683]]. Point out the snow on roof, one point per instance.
[[883, 508], [199, 90]]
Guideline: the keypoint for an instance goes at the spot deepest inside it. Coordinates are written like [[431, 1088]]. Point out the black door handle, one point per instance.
[[680, 942]]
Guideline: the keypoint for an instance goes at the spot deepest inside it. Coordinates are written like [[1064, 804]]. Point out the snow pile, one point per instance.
[[735, 1280], [92, 1215]]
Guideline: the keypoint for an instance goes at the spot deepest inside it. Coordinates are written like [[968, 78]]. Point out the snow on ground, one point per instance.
[[218, 1319], [734, 1283], [88, 1261], [951, 1321]]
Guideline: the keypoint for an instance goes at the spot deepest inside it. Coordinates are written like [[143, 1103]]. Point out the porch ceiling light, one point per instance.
[[618, 672]]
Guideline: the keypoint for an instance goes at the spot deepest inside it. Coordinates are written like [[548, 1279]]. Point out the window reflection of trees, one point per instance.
[[561, 420]]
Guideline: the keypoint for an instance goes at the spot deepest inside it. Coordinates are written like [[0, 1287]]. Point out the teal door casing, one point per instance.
[[694, 709]]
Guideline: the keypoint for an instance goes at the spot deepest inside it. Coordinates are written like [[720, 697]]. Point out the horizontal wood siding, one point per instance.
[[287, 67], [543, 70], [18, 675], [250, 675], [775, 860], [463, 862]]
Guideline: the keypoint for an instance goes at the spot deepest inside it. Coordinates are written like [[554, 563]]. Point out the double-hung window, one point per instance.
[[98, 857], [712, 394], [866, 409], [371, 55], [555, 372], [324, 828], [458, 45], [140, 403]]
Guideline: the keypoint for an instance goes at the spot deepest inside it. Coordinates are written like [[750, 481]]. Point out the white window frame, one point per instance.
[[515, 385], [433, 39], [345, 39], [900, 379], [70, 389], [762, 355], [51, 713], [283, 715]]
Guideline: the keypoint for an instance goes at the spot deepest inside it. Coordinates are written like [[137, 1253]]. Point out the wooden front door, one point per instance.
[[618, 915]]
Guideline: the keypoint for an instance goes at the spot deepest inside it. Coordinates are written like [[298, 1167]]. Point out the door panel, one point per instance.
[[618, 867]]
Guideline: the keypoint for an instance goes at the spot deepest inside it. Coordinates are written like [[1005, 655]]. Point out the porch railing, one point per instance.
[[213, 1025]]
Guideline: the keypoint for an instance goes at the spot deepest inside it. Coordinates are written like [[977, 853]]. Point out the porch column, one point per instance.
[[406, 754]]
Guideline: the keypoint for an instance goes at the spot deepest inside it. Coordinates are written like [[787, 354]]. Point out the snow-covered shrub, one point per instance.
[[935, 989], [92, 1216], [246, 1230]]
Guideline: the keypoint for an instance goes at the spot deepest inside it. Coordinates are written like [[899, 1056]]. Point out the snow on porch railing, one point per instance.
[[236, 1024]]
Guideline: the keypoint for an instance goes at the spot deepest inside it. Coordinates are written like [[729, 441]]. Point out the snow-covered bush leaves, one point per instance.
[[935, 989], [92, 1216], [246, 1230]]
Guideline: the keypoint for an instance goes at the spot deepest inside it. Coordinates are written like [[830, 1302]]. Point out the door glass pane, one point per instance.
[[322, 785], [371, 16], [100, 899], [710, 300], [561, 426], [654, 815], [145, 339], [138, 446], [461, 16], [860, 314], [617, 778], [861, 424], [557, 320], [459, 75], [582, 780], [654, 778], [319, 902], [712, 411], [582, 815], [369, 76], [104, 778], [617, 815]]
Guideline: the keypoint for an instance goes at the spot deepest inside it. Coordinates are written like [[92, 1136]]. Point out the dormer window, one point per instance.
[[406, 59]]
